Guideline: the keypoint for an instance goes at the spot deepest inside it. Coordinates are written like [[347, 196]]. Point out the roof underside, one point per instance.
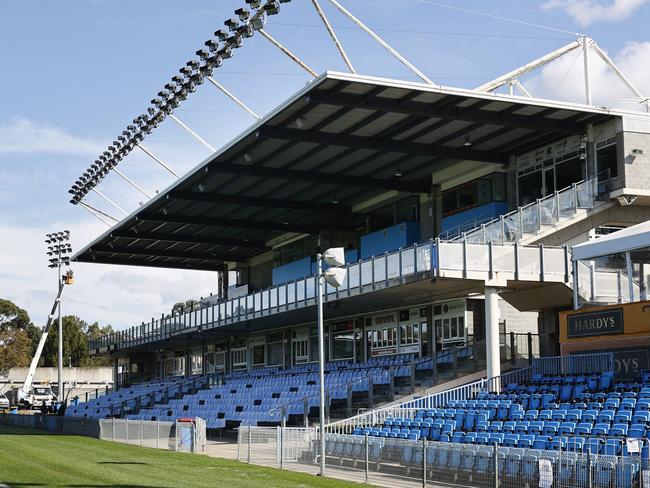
[[304, 167]]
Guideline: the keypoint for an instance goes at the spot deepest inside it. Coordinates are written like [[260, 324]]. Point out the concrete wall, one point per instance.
[[516, 321], [90, 376], [636, 135]]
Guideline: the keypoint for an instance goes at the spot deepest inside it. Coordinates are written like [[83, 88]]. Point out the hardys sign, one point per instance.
[[600, 322]]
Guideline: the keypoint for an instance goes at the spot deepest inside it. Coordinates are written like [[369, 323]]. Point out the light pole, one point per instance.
[[334, 275], [59, 252]]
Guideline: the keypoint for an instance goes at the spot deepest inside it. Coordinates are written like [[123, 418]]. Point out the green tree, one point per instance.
[[12, 316], [94, 331], [15, 336], [76, 334], [75, 343], [15, 349]]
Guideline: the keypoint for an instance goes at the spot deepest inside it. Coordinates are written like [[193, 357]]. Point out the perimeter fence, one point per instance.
[[402, 462], [143, 433]]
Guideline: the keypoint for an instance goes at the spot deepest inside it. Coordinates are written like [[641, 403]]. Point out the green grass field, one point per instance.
[[31, 458]]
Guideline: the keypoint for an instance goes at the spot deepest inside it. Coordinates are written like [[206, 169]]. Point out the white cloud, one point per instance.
[[563, 79], [118, 295], [587, 12], [22, 135]]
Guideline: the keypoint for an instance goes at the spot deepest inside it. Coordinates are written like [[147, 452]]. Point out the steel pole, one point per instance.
[[585, 57], [60, 365], [192, 133], [381, 42], [157, 160], [110, 201], [321, 359]]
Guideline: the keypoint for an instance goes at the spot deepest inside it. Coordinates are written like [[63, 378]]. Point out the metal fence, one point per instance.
[[574, 364], [143, 433], [410, 407], [457, 259], [61, 425], [399, 462], [583, 363]]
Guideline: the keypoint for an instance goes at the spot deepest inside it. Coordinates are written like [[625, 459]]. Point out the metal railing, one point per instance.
[[574, 364], [382, 386], [401, 462], [557, 365], [531, 218], [446, 259], [143, 433], [409, 408]]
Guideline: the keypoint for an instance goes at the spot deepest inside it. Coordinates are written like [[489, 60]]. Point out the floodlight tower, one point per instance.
[[334, 275], [59, 252]]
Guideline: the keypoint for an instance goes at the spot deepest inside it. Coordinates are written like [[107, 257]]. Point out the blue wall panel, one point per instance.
[[292, 271], [305, 267], [390, 239], [480, 214]]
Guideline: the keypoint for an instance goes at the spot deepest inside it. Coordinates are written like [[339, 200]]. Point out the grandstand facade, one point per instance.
[[430, 190]]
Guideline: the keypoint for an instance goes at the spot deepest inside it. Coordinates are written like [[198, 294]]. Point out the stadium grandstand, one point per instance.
[[467, 339]]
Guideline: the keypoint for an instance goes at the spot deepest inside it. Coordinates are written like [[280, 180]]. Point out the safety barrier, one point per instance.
[[143, 433], [61, 425], [584, 363], [574, 364], [410, 407], [401, 462], [458, 259]]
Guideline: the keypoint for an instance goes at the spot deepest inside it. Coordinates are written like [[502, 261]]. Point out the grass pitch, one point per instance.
[[32, 458]]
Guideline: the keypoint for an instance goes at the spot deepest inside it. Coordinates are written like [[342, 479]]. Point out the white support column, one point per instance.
[[492, 352], [630, 275], [585, 56]]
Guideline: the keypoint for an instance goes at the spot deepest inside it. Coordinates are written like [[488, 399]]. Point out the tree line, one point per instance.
[[19, 338]]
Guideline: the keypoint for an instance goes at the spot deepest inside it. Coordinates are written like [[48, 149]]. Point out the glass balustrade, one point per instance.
[[384, 270]]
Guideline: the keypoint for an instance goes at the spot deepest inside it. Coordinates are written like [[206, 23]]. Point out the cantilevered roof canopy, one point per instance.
[[340, 141], [630, 239]]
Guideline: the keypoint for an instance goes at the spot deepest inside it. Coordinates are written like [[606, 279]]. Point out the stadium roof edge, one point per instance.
[[256, 129]]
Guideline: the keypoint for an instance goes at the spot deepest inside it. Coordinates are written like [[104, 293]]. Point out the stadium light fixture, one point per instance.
[[334, 276], [243, 25], [60, 250]]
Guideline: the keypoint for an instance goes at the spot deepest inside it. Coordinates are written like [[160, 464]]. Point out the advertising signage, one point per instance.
[[596, 323]]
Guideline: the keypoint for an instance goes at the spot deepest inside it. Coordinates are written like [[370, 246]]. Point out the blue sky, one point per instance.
[[76, 72]]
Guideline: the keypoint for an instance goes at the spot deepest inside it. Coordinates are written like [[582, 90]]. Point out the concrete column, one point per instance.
[[492, 353]]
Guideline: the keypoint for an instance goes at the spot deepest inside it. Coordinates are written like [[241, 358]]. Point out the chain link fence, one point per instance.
[[399, 462]]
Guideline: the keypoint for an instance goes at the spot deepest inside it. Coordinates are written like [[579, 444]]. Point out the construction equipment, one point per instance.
[[29, 396]]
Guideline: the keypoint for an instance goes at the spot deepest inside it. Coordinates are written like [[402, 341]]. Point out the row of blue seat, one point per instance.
[[447, 462]]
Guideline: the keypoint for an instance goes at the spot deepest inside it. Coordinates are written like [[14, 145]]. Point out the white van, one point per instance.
[[4, 401]]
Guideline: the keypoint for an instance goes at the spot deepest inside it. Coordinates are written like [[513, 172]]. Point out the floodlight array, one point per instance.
[[193, 74], [58, 249]]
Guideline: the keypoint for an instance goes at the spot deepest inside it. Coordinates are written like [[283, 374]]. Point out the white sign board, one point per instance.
[[545, 473], [633, 445]]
